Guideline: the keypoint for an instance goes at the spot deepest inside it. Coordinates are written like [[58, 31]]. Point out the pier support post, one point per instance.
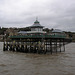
[[60, 45], [4, 46], [64, 45], [46, 45], [51, 45], [56, 45]]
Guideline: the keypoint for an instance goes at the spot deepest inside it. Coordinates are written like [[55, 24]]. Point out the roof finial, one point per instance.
[[36, 18]]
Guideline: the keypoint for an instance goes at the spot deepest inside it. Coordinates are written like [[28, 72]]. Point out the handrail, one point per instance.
[[38, 36]]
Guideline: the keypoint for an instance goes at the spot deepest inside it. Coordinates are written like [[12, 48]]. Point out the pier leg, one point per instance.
[[4, 46], [51, 45], [46, 45], [7, 46], [64, 45], [56, 45], [60, 45]]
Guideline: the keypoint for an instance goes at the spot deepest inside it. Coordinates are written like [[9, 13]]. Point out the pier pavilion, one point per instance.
[[36, 41]]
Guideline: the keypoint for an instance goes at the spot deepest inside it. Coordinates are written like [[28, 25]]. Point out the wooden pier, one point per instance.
[[38, 45], [37, 41]]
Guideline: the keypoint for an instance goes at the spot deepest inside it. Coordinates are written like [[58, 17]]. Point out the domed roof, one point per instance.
[[36, 24], [36, 21]]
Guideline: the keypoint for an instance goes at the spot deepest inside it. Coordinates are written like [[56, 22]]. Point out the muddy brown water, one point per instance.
[[14, 63]]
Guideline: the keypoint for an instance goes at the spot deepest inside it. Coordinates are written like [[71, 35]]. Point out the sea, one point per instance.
[[16, 63]]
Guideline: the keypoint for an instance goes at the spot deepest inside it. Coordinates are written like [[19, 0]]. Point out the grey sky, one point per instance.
[[57, 14]]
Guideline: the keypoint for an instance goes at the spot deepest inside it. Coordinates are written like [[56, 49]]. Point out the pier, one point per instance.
[[37, 41], [36, 44]]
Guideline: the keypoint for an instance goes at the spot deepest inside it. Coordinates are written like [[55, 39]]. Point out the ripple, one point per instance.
[[38, 64], [3, 65]]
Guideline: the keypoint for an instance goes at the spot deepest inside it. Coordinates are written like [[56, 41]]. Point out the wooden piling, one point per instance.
[[60, 45], [51, 45], [56, 45], [36, 45], [4, 46], [64, 45]]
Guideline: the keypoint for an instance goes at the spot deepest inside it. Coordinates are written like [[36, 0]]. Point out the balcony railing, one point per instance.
[[38, 36]]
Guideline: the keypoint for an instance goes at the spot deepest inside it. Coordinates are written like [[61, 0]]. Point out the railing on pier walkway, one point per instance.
[[38, 36]]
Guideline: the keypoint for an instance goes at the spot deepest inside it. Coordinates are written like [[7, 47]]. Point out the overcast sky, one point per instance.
[[57, 14]]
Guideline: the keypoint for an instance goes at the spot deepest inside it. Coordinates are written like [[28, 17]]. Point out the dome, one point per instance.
[[36, 21], [36, 25]]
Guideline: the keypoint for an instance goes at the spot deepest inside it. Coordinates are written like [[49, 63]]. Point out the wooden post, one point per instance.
[[39, 46], [56, 45], [4, 46], [60, 45], [46, 45], [64, 45], [51, 45]]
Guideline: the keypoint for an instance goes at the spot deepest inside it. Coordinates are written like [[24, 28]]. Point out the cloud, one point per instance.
[[58, 14]]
